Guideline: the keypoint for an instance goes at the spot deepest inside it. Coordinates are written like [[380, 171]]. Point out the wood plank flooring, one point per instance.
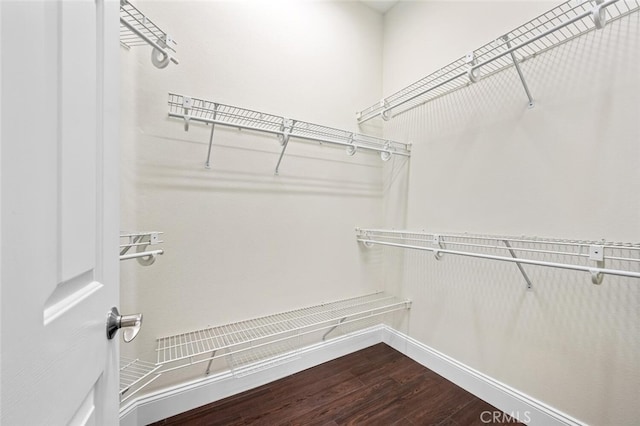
[[375, 386]]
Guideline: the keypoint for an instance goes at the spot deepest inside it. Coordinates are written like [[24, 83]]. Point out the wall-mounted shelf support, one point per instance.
[[140, 240], [516, 64], [136, 29], [479, 245], [324, 336], [191, 109], [520, 268], [596, 254], [287, 125], [438, 244], [559, 25]]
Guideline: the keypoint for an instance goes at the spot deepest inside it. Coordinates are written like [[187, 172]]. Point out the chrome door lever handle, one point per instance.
[[130, 323]]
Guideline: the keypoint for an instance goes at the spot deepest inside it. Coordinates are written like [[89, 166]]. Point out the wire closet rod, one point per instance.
[[152, 253], [371, 237], [533, 38]]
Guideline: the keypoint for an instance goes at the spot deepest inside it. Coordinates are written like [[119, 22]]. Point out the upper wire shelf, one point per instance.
[[194, 109], [262, 334], [577, 255], [561, 24], [140, 241], [136, 29]]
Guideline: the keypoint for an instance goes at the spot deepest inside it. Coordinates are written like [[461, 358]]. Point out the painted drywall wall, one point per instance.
[[484, 163], [239, 241]]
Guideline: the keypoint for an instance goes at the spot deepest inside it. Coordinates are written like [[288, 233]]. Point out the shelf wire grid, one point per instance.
[[624, 256], [250, 361], [142, 23], [227, 115], [263, 331], [134, 376], [453, 76]]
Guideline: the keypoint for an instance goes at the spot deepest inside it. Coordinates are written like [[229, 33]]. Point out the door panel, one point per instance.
[[58, 211], [77, 100]]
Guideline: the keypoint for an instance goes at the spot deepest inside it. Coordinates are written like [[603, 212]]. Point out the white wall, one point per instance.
[[483, 163], [239, 241]]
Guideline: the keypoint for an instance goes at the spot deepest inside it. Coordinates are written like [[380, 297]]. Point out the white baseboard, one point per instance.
[[528, 410], [168, 402], [180, 398]]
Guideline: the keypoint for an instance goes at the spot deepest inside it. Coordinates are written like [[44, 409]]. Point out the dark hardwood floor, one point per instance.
[[375, 386]]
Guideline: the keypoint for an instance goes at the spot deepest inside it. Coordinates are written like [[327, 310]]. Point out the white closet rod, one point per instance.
[[370, 237], [152, 253]]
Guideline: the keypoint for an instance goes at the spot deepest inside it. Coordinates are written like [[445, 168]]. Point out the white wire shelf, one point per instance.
[[136, 29], [262, 334], [140, 241], [577, 255], [134, 376], [200, 110], [561, 24]]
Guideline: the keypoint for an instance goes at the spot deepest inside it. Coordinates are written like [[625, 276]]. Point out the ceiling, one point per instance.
[[381, 6]]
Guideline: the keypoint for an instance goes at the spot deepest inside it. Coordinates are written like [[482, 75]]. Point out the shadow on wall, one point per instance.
[[245, 168]]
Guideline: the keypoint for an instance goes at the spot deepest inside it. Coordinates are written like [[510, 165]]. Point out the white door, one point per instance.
[[58, 211]]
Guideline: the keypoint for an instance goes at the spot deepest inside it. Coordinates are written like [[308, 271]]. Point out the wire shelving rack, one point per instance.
[[136, 29], [193, 109], [577, 255], [134, 376], [140, 241], [258, 341], [559, 25]]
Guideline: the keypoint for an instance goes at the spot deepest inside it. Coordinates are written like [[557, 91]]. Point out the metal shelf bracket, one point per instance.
[[287, 125], [207, 163], [522, 271], [516, 64], [599, 14], [473, 73], [437, 241], [187, 103], [596, 254]]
